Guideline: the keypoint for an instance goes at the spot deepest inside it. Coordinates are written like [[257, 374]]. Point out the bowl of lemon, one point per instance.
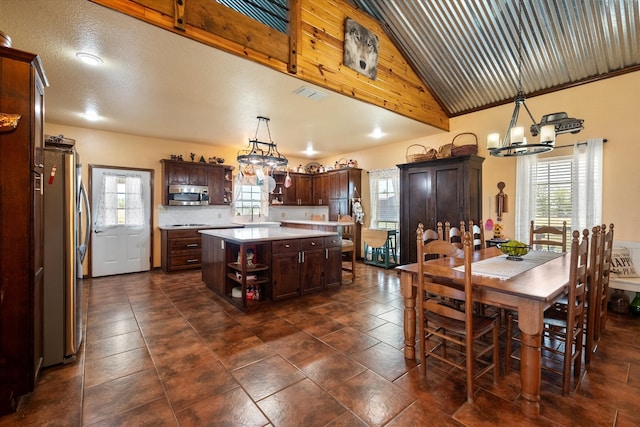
[[514, 250]]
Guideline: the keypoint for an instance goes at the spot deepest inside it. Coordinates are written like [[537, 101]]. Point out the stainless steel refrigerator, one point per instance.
[[65, 245]]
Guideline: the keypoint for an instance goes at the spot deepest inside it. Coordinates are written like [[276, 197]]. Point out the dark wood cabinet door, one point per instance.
[[304, 190], [216, 185], [438, 190], [176, 173], [320, 190], [285, 274], [333, 267], [199, 174], [311, 264]]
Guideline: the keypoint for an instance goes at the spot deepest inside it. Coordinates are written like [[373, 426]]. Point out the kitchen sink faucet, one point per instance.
[[252, 207]]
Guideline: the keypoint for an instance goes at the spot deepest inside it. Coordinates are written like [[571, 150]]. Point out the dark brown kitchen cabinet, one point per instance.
[[344, 184], [285, 269], [299, 192], [312, 265], [332, 262], [321, 189], [219, 179], [437, 190], [181, 249], [22, 83]]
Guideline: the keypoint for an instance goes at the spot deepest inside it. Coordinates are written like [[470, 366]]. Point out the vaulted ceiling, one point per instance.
[[467, 51]]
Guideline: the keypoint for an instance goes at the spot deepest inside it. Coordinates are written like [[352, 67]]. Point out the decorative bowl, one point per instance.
[[514, 252]]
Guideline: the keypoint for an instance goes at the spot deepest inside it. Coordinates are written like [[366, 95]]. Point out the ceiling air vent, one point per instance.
[[310, 93]]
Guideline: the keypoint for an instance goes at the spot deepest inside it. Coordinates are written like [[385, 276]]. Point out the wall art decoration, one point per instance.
[[360, 49]]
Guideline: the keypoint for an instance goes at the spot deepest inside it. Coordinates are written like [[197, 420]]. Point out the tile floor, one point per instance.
[[162, 350]]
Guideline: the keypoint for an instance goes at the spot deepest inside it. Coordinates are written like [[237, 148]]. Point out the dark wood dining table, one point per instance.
[[529, 293]]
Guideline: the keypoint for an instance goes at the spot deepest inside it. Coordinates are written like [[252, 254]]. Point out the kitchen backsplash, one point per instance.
[[218, 215]]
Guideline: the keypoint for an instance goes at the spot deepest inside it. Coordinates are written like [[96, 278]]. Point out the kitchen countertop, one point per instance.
[[314, 222], [198, 226], [257, 234]]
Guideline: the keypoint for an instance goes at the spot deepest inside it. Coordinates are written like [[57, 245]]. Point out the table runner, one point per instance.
[[503, 268]]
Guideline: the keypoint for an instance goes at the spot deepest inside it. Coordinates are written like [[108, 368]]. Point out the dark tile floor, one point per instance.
[[161, 349]]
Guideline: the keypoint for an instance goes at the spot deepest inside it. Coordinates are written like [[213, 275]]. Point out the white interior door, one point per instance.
[[121, 203]]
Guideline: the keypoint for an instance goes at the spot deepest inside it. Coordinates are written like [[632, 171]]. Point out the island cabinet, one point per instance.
[[332, 262], [437, 190], [255, 266], [218, 178]]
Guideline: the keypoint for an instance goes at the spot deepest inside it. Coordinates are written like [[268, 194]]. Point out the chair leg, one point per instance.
[[507, 344], [353, 265]]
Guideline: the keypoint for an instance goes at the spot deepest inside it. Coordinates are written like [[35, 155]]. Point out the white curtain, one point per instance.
[[526, 170], [107, 212], [586, 184], [375, 176], [134, 205]]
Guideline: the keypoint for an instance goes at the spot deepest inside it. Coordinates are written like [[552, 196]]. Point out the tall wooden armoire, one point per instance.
[[447, 189], [22, 83]]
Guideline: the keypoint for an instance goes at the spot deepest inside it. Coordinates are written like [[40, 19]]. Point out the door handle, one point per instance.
[[97, 231]]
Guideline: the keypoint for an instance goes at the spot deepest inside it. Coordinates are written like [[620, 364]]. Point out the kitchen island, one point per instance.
[[325, 226], [252, 266]]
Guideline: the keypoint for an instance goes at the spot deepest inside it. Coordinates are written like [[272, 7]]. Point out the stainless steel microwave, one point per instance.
[[188, 195]]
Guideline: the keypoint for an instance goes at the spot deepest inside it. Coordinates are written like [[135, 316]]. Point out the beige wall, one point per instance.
[[608, 108]]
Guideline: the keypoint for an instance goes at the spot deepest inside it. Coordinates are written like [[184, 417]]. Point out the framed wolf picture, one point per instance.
[[360, 49]]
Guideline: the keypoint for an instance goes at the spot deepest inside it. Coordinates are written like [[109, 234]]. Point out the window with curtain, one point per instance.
[[385, 203], [553, 193], [247, 194], [121, 201], [553, 190]]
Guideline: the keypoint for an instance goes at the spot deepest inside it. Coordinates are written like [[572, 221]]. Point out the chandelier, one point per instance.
[[514, 142], [259, 153]]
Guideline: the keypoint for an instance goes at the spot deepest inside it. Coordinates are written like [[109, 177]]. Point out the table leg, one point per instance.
[[530, 318], [409, 294]]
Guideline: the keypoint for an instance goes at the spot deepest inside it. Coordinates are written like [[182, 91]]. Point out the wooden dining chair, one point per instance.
[[441, 323], [548, 237], [606, 248], [563, 333], [477, 231], [594, 280], [454, 234], [348, 242]]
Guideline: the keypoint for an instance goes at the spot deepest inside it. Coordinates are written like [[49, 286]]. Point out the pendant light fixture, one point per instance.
[[259, 153], [515, 142]]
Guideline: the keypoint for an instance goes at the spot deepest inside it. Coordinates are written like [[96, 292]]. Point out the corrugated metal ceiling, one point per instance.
[[466, 51]]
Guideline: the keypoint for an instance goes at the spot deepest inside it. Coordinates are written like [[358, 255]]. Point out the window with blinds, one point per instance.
[[553, 192], [388, 207]]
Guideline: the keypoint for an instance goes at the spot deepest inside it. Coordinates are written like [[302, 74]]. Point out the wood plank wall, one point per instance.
[[313, 53]]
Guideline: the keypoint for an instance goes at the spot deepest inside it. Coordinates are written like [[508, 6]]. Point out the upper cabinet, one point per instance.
[[219, 179], [334, 189]]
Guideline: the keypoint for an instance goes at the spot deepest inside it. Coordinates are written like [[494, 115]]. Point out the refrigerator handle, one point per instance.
[[87, 231]]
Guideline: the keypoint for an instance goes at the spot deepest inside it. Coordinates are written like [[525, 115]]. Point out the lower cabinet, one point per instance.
[[181, 250], [332, 262], [285, 269], [278, 270]]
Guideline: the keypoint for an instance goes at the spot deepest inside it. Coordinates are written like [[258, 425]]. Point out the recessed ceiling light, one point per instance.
[[377, 133], [92, 116], [89, 58]]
